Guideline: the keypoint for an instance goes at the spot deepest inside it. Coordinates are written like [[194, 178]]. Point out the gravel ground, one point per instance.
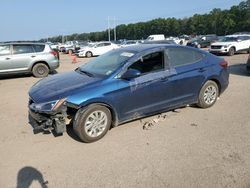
[[189, 147]]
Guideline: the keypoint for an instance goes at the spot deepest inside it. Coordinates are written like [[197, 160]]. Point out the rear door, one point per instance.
[[107, 47], [5, 58], [244, 42], [23, 55], [191, 69]]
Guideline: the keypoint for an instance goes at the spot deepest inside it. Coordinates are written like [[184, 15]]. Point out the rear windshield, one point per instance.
[[38, 47]]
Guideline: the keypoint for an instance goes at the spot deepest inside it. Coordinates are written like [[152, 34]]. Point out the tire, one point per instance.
[[84, 127], [89, 54], [231, 51], [40, 70], [208, 94]]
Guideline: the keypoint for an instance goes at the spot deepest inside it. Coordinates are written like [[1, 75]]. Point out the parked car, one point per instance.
[[159, 42], [202, 41], [36, 58], [231, 44], [53, 46], [97, 49], [70, 46], [127, 43], [127, 84], [248, 63]]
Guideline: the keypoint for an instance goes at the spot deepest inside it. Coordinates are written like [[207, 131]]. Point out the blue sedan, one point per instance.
[[127, 84]]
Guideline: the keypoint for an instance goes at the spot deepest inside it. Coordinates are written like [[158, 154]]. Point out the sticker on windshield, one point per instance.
[[127, 54]]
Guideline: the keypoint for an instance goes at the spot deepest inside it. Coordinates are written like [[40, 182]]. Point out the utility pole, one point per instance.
[[114, 29], [108, 28]]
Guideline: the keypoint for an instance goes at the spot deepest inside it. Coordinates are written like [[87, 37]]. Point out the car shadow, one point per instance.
[[15, 76], [239, 69], [27, 175], [9, 76], [71, 133]]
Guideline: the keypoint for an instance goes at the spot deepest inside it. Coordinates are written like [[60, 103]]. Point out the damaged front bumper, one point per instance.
[[49, 120]]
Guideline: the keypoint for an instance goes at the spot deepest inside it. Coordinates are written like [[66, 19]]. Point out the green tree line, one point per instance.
[[220, 22]]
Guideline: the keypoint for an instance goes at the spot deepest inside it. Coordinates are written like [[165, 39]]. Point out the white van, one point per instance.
[[156, 37]]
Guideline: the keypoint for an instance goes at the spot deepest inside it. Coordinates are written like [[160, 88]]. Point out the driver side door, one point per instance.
[[147, 93]]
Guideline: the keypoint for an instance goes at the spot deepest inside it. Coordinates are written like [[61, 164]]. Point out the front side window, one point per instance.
[[22, 49], [181, 56], [149, 63], [4, 50]]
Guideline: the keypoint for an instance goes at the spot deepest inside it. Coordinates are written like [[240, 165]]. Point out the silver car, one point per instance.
[[36, 58]]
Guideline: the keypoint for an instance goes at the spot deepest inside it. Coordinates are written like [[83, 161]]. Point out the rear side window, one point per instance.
[[22, 49], [107, 44], [100, 45], [38, 47], [181, 56], [4, 50]]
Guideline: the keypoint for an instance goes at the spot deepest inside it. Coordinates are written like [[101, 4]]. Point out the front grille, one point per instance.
[[216, 47]]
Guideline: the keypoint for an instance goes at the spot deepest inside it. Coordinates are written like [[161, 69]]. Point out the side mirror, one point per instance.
[[130, 74]]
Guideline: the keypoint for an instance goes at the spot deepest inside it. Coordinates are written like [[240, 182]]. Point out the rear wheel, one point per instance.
[[208, 94], [40, 70], [231, 51], [89, 54], [93, 123]]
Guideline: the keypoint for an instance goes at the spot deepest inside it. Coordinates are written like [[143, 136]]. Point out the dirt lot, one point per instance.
[[191, 147]]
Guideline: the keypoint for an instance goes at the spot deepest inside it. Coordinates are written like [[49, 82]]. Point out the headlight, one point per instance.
[[226, 46], [49, 106]]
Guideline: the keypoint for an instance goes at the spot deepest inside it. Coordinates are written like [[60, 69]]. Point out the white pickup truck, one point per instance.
[[231, 44]]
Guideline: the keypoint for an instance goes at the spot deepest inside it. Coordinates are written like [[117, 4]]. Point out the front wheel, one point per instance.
[[89, 54], [92, 123], [231, 51], [208, 94]]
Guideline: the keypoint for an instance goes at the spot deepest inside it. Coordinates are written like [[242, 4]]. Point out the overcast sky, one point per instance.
[[36, 19]]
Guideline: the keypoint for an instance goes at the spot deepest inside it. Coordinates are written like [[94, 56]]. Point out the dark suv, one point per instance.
[[36, 58], [202, 41]]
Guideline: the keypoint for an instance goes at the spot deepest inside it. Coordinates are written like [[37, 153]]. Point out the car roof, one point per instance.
[[143, 47], [39, 43]]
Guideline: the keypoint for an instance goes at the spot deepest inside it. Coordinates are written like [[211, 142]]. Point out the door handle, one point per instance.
[[202, 70], [7, 58], [164, 79], [33, 56]]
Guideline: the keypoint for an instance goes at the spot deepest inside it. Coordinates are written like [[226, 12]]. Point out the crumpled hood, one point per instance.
[[59, 86], [221, 43]]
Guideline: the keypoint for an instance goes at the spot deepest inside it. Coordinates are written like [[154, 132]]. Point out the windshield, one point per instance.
[[229, 39], [91, 45], [107, 63], [150, 38]]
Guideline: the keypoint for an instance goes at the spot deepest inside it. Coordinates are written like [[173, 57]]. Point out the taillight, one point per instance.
[[54, 53], [224, 63]]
